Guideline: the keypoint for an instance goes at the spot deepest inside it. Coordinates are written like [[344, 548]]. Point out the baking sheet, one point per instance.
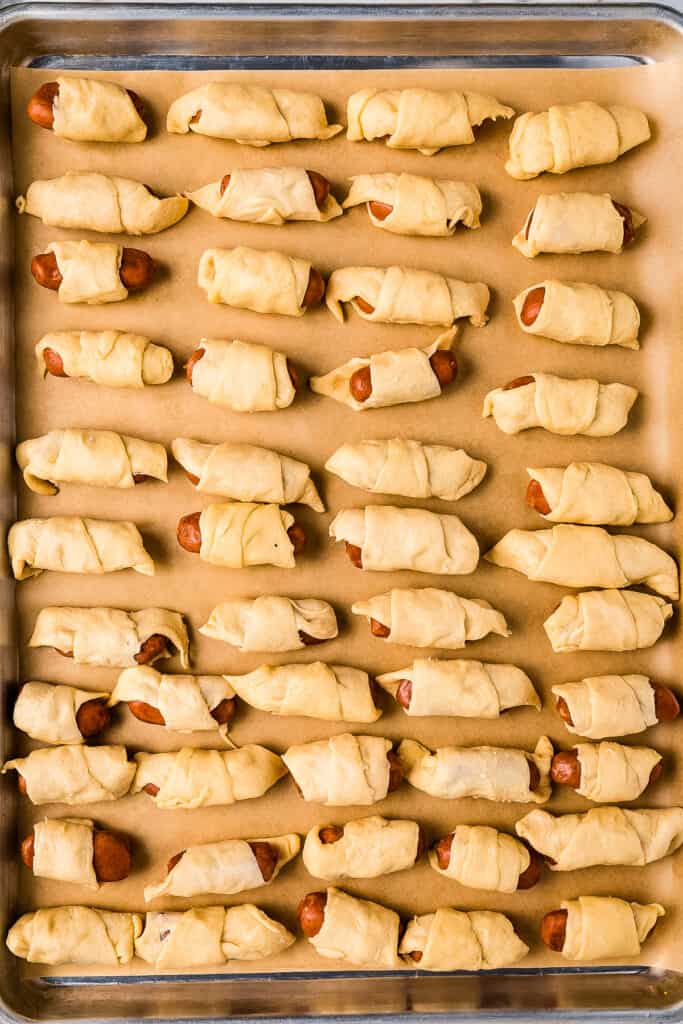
[[175, 312]]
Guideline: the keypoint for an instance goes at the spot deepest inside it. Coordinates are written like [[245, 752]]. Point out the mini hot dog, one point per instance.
[[75, 935], [240, 534], [578, 314], [595, 494], [333, 693], [607, 772], [60, 714], [113, 358], [86, 110], [601, 706], [74, 774], [263, 281], [64, 269], [345, 769], [364, 848], [269, 195], [241, 376], [182, 703], [483, 858], [343, 927], [409, 204], [599, 927], [577, 222], [272, 623], [459, 940], [74, 850]]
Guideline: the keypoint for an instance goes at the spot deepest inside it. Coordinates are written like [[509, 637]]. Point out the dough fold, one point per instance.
[[582, 314], [265, 195], [393, 538], [459, 940], [75, 774], [462, 688], [341, 771], [424, 119], [250, 114], [432, 618], [242, 377], [488, 773], [573, 135], [270, 623], [603, 706], [263, 281], [397, 376], [401, 295], [333, 693], [612, 773], [47, 711], [112, 358], [196, 777], [603, 836], [358, 932], [586, 556], [98, 202], [185, 702], [246, 472], [75, 935], [90, 272], [574, 222], [63, 850], [596, 494], [484, 858], [607, 928], [420, 206], [109, 637], [224, 868], [86, 110], [100, 458], [370, 847], [75, 545], [408, 468], [241, 533], [607, 620], [561, 405]]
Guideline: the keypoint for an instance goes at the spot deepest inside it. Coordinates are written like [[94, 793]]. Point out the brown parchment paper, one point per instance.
[[175, 312]]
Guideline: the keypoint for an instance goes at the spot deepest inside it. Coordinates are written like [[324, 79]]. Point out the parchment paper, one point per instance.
[[175, 312]]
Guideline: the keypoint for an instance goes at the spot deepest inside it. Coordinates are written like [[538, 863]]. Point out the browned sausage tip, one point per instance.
[[533, 303], [45, 271], [175, 859], [330, 834], [21, 784], [395, 771], [553, 930], [380, 211], [315, 289], [311, 913], [534, 776], [379, 629], [563, 711], [656, 773], [27, 850], [529, 878], [112, 858], [310, 641], [136, 269], [666, 703], [40, 106], [150, 789], [360, 384], [266, 857], [565, 768], [225, 711], [443, 851], [627, 217], [363, 305], [404, 693], [445, 367], [146, 712], [416, 955], [53, 363], [320, 186], [194, 358], [297, 537], [225, 181], [355, 554], [189, 533], [518, 382], [155, 646], [192, 478], [536, 499], [93, 717], [421, 842]]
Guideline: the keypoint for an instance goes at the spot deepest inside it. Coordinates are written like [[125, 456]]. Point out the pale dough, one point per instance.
[[607, 620], [573, 135], [74, 545], [596, 494], [582, 314], [341, 771], [603, 706], [424, 119], [333, 693], [75, 935], [483, 858], [358, 932], [90, 272], [266, 195], [195, 777], [607, 928], [242, 377], [271, 623], [561, 405], [459, 940], [185, 702], [432, 618], [612, 773], [100, 458], [263, 281], [240, 533], [47, 711], [63, 850], [86, 110], [420, 206], [402, 295], [370, 847], [574, 222], [462, 688], [75, 774], [408, 468], [393, 538], [246, 472], [112, 358]]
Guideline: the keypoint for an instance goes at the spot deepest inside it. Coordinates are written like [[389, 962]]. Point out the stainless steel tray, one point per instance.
[[143, 35]]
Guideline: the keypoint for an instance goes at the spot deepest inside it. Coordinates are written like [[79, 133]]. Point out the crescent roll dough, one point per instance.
[[72, 544], [612, 773], [333, 693], [109, 637], [358, 932], [607, 620], [341, 771], [75, 935], [602, 706], [269, 623], [603, 835], [460, 940], [97, 202], [241, 533], [112, 358], [210, 936], [86, 110], [483, 858], [185, 702], [225, 868], [246, 472], [63, 850], [420, 206], [401, 295], [573, 135], [90, 272], [74, 775], [574, 222], [47, 711], [422, 119], [432, 618], [250, 114], [582, 314], [462, 688], [561, 405], [396, 376], [368, 848], [393, 538], [100, 458], [265, 195], [607, 928], [593, 493], [486, 773], [265, 282], [408, 468], [194, 777], [242, 377], [586, 556]]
